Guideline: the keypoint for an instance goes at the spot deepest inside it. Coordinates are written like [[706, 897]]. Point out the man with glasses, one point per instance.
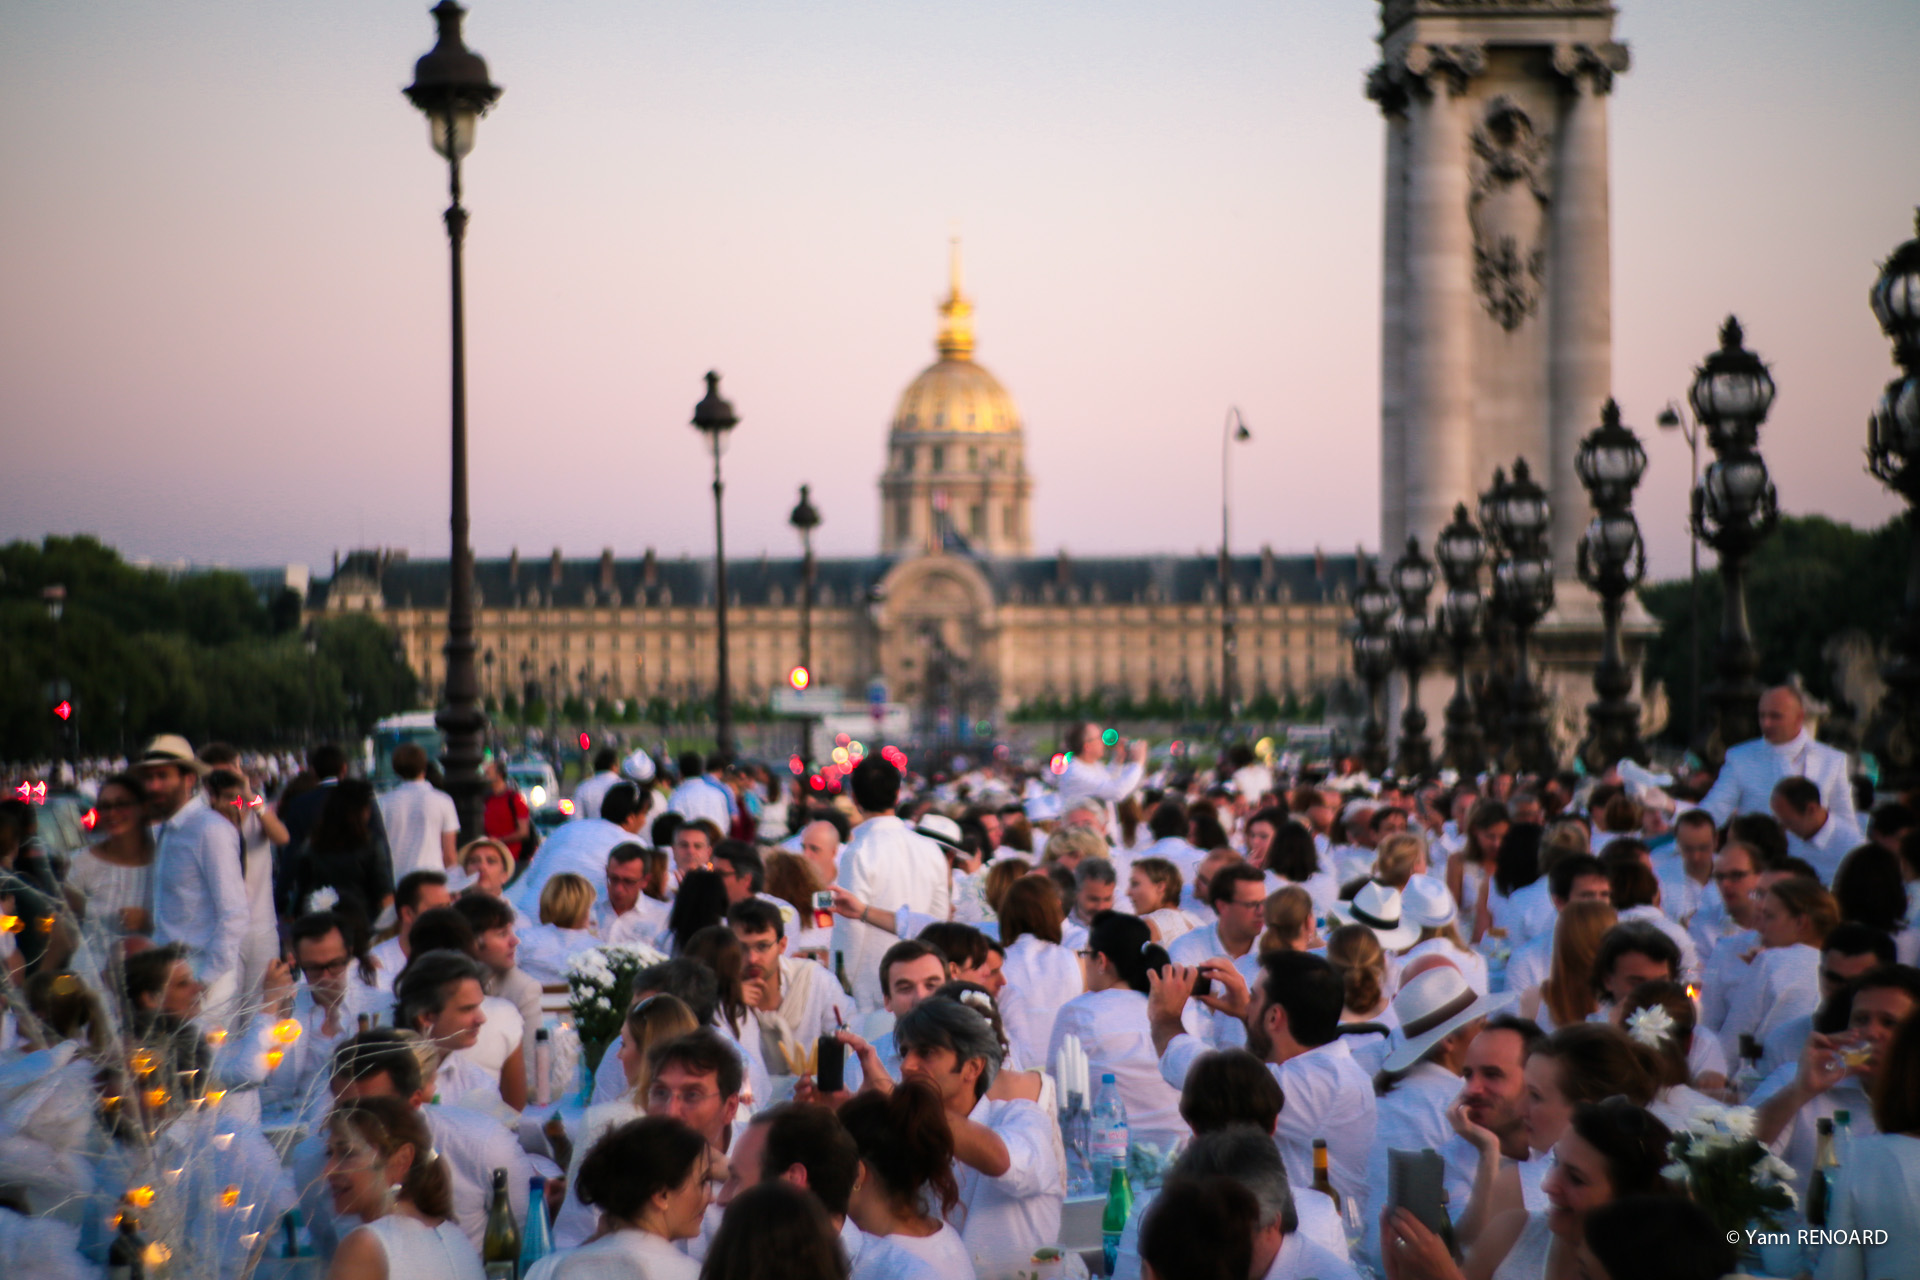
[[628, 914], [794, 1001], [1728, 927], [696, 1079], [327, 1005], [1237, 893]]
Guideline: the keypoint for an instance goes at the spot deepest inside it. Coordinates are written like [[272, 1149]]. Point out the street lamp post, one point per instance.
[[1612, 562], [1460, 548], [54, 597], [1893, 455], [1518, 516], [451, 87], [1412, 646], [1734, 508], [1373, 604], [714, 418], [1674, 418], [806, 519], [1233, 432]]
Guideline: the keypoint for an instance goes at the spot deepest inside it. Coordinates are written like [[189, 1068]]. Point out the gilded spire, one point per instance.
[[956, 316]]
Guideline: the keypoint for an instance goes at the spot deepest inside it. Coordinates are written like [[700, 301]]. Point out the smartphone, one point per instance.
[[823, 909], [1414, 1183], [1202, 985], [830, 1065]]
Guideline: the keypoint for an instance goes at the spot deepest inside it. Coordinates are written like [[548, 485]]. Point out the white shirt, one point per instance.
[[1746, 780], [1529, 912], [199, 889], [943, 1253], [626, 1254], [579, 847], [874, 1257], [500, 1035], [388, 960], [1176, 850], [1197, 946], [1412, 1116], [1328, 1096], [1796, 1143], [1783, 983], [299, 1083], [703, 797], [1528, 966], [417, 815], [1086, 780], [887, 864], [545, 950], [809, 999], [1003, 1220], [1041, 978], [1301, 1259], [1112, 1028], [1833, 841], [645, 923], [1879, 1188], [588, 796]]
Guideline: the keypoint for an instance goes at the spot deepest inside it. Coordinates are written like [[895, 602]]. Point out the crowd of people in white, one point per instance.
[[1289, 979]]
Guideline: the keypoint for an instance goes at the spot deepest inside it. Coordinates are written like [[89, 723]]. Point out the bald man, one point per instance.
[[1784, 749], [820, 846]]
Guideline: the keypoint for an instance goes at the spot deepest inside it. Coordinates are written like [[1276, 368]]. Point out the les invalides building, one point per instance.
[[955, 617]]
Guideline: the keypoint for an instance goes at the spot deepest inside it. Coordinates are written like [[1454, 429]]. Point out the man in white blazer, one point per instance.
[[1784, 749]]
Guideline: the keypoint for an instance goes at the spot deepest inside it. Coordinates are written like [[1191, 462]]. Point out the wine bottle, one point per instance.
[[500, 1246], [840, 971], [1322, 1181], [1825, 1167], [1113, 1221]]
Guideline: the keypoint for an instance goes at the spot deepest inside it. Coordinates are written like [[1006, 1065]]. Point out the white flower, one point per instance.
[[323, 898], [1650, 1026], [1739, 1121], [1676, 1172]]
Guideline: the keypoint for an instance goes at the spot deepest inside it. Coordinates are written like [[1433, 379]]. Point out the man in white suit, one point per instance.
[[1784, 749]]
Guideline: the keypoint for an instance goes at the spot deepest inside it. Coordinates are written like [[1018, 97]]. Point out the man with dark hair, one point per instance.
[[696, 1079], [705, 793], [593, 789], [744, 872], [1280, 1250], [890, 866], [417, 891], [1291, 1013], [806, 1145], [1012, 1182], [327, 1005], [971, 955], [441, 997], [1814, 832], [329, 764], [1826, 1079], [1762, 833], [1094, 885], [1889, 824], [794, 1001], [1238, 895], [386, 1063], [628, 914], [1577, 877], [582, 846], [1685, 867], [423, 827], [694, 841], [1167, 824]]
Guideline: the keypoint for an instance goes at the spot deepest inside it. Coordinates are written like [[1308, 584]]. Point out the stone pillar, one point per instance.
[[1580, 359], [1389, 90], [1437, 422]]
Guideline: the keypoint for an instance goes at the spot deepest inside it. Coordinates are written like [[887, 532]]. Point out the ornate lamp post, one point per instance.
[[1373, 604], [1673, 418], [805, 519], [714, 418], [1413, 642], [450, 86], [1518, 516], [1460, 549], [1893, 455], [1234, 431], [1734, 508], [1612, 562]]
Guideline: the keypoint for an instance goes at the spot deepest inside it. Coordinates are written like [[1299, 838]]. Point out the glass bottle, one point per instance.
[[1825, 1167], [1113, 1221], [500, 1246]]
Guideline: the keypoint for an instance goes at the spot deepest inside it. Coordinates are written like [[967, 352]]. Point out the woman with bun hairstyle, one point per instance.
[[1660, 1017], [1110, 1021], [649, 1180], [906, 1180], [382, 1170]]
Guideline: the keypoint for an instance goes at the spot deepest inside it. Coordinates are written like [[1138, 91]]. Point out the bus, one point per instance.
[[395, 731]]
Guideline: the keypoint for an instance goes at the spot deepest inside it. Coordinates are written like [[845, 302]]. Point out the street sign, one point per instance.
[[805, 702]]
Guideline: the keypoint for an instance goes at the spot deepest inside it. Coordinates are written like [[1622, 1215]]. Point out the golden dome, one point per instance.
[[954, 394]]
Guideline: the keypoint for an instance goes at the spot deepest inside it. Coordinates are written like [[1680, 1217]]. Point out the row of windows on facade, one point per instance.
[[937, 453], [976, 526], [501, 645]]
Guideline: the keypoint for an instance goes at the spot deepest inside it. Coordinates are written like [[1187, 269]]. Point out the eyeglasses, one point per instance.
[[661, 1096], [314, 972]]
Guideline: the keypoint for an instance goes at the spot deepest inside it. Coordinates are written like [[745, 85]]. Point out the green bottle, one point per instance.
[[1113, 1223], [500, 1246]]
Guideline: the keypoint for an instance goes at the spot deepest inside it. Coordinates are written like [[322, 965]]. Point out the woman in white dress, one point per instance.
[[1041, 974], [499, 1052], [1660, 1017], [906, 1183], [650, 1181], [1880, 1180], [1153, 887], [115, 876], [1566, 996], [382, 1169], [1470, 875], [1608, 1150], [1783, 981], [1110, 1021]]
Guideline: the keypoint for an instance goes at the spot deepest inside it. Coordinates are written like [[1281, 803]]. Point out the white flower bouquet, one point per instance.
[[600, 991], [1729, 1172]]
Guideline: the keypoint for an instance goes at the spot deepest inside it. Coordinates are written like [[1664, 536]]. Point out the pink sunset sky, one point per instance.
[[223, 325]]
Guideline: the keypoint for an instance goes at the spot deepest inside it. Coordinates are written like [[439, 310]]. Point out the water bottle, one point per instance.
[[1076, 1135], [1113, 1221], [1110, 1132], [536, 1242]]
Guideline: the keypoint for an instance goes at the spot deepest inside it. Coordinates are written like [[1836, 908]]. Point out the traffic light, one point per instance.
[[586, 742], [63, 709], [799, 678]]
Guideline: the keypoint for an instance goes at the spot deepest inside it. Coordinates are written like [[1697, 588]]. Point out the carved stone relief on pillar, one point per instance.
[[1508, 212]]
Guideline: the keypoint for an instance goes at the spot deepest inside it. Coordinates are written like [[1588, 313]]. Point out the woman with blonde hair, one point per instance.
[[565, 928], [1783, 981], [1360, 961], [1399, 858], [382, 1170], [1291, 921], [1069, 845], [1567, 996], [654, 1020]]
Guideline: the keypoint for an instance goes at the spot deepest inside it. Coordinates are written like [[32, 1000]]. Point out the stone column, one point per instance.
[[1580, 357], [1387, 85], [1437, 423]]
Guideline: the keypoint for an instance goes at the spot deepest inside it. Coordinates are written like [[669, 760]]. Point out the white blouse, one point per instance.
[[1041, 977], [110, 888]]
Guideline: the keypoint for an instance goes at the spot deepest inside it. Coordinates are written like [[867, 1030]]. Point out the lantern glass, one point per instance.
[[1373, 649], [1463, 609], [452, 132], [1373, 604], [1412, 629], [1459, 548], [1896, 422], [1413, 576]]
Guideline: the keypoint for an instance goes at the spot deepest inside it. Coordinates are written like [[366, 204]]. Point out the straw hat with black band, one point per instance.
[[1377, 906], [171, 748], [1432, 1006]]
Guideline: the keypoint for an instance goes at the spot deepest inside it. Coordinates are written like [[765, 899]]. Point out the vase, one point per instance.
[[591, 1052]]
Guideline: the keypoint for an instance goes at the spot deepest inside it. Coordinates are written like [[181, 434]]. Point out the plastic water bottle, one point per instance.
[[1113, 1220], [1076, 1136], [1110, 1133]]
